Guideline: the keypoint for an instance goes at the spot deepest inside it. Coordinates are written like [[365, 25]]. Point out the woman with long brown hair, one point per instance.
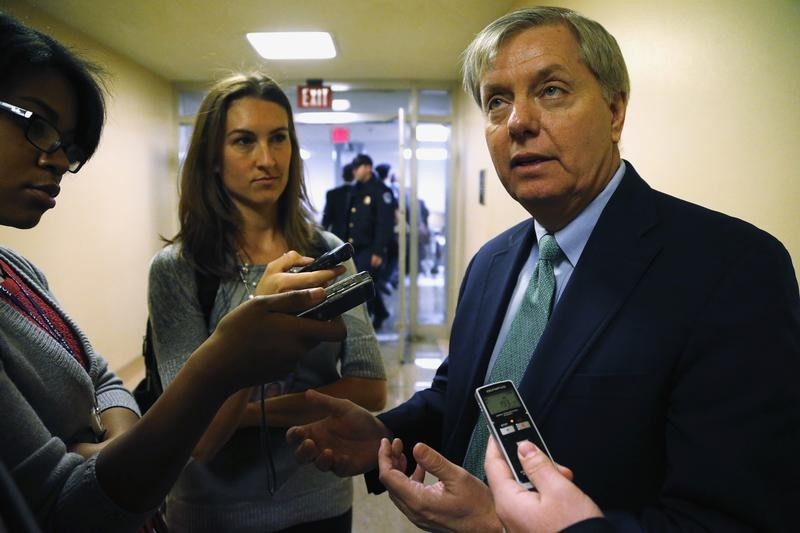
[[245, 222]]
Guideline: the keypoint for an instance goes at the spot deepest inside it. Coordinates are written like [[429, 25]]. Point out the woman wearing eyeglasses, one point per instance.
[[70, 434]]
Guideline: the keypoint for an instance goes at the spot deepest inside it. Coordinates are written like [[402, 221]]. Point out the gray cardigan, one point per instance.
[[230, 492], [46, 398]]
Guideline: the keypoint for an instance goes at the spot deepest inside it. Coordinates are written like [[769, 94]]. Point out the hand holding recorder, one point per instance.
[[555, 504], [329, 259], [342, 295], [509, 423], [278, 277]]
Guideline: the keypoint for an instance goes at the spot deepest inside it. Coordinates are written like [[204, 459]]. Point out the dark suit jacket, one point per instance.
[[668, 378], [335, 214]]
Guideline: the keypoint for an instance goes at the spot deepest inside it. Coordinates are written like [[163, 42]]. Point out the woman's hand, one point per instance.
[[261, 340], [277, 278]]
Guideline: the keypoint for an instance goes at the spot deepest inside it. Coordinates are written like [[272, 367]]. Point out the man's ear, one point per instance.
[[618, 105]]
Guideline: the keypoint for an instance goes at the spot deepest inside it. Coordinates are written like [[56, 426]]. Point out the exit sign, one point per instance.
[[314, 97]]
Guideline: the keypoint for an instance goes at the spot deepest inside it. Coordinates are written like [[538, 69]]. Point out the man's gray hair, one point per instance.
[[598, 49]]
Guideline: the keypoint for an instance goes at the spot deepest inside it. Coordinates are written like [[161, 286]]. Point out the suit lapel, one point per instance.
[[615, 257], [493, 280]]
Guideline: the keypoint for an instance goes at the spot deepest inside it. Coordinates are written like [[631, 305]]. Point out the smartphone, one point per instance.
[[329, 259], [509, 423], [342, 296]]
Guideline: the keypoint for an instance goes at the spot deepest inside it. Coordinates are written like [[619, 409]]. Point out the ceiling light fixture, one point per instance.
[[293, 44], [340, 104], [327, 117], [433, 133]]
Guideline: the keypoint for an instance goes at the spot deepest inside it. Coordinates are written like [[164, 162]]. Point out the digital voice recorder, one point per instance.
[[329, 259], [509, 422], [342, 296]]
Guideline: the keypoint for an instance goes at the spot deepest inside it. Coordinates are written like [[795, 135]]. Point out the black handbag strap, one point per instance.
[[207, 286]]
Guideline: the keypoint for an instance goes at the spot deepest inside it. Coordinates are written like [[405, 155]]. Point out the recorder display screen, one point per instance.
[[500, 401]]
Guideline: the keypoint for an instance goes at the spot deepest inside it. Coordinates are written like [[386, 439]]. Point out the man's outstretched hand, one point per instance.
[[345, 442]]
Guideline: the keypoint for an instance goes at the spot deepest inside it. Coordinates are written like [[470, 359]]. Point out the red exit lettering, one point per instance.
[[318, 97]]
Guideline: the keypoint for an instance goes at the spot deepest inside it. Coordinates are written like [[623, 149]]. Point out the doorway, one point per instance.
[[408, 130]]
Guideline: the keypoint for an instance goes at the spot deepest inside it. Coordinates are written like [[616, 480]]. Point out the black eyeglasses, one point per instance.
[[45, 137]]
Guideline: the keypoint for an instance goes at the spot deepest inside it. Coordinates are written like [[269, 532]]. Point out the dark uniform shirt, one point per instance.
[[371, 217]]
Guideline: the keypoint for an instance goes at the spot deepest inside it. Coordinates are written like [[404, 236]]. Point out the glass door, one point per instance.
[[387, 126]]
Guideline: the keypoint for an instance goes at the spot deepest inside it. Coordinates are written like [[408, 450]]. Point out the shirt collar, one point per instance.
[[573, 237]]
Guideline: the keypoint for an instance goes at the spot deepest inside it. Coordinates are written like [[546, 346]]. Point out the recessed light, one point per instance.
[[327, 117], [433, 133], [293, 44], [340, 104]]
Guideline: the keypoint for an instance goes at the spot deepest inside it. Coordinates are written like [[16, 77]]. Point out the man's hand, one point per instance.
[[375, 261], [457, 502], [556, 504], [345, 441]]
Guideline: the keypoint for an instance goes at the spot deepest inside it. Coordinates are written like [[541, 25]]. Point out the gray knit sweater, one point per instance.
[[46, 398], [230, 493]]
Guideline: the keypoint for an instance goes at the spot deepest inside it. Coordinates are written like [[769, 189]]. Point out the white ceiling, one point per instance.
[[199, 40]]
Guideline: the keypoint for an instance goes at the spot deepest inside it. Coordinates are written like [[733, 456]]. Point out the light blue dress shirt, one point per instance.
[[572, 239]]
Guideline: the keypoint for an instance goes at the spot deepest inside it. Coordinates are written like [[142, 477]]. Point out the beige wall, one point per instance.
[[714, 116], [96, 245]]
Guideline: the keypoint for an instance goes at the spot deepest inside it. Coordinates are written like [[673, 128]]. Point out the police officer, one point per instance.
[[369, 228]]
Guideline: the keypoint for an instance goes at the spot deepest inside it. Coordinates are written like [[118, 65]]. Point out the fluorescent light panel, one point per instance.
[[293, 44], [433, 133], [327, 117], [340, 104]]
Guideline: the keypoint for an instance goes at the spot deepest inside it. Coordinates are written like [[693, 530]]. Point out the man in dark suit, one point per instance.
[[665, 376], [337, 205]]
